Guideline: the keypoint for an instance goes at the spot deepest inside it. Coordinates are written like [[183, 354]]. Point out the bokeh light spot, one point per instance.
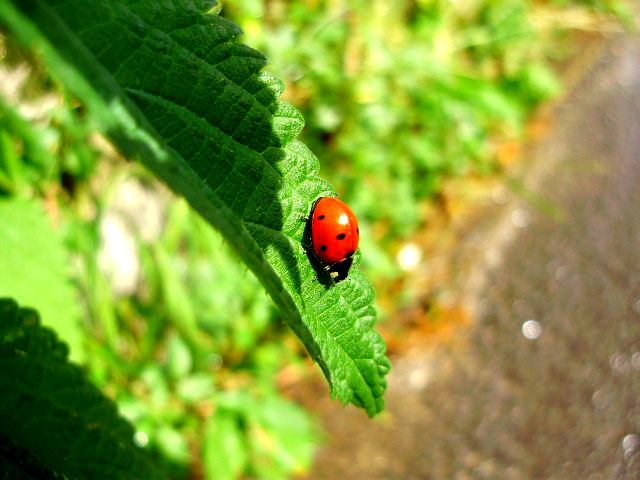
[[140, 439], [531, 329]]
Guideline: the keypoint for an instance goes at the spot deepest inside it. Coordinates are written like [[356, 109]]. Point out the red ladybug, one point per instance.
[[334, 236]]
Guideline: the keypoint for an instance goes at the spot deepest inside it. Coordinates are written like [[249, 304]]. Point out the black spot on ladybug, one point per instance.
[[323, 248], [358, 230], [350, 254], [341, 236], [321, 217]]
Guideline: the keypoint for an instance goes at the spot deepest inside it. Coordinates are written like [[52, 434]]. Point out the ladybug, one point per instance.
[[334, 236]]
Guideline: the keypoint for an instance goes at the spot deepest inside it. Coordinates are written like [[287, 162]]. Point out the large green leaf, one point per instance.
[[170, 86], [53, 422]]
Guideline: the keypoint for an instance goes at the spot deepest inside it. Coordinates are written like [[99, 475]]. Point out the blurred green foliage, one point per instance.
[[32, 269], [397, 96]]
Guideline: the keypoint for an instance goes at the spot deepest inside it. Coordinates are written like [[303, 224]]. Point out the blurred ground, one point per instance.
[[540, 378]]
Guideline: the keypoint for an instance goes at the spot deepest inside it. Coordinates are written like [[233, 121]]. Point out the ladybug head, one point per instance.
[[338, 271]]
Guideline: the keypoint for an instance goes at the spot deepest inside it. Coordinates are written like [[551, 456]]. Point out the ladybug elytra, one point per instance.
[[334, 236]]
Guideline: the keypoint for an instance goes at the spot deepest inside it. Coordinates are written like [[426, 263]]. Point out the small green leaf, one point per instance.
[[171, 86], [179, 358], [197, 387], [223, 450], [53, 422], [172, 444], [284, 438]]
